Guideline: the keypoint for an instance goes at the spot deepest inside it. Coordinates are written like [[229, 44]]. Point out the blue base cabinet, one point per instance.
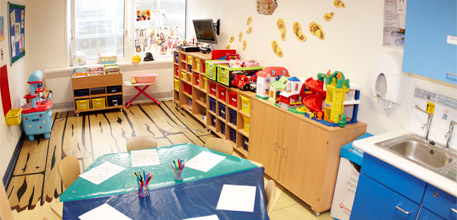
[[375, 201], [385, 192]]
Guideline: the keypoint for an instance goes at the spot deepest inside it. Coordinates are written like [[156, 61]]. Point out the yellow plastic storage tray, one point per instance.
[[189, 59], [205, 82], [245, 105], [246, 123], [176, 84], [82, 104], [98, 103], [183, 75], [13, 117], [197, 65]]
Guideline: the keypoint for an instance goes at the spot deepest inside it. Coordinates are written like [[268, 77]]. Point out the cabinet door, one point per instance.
[[427, 51], [265, 133], [304, 155], [375, 201], [440, 202], [425, 214]]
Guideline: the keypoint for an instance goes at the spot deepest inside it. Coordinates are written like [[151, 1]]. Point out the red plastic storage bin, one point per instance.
[[188, 88], [222, 93], [177, 71], [197, 78], [233, 99], [212, 88]]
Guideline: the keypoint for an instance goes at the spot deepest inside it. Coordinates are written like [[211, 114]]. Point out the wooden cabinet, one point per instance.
[[98, 92], [299, 153], [217, 106], [431, 39]]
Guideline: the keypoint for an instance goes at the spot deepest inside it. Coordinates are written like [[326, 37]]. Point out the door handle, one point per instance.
[[402, 210], [285, 150], [454, 210]]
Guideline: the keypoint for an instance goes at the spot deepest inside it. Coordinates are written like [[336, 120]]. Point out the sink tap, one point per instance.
[[428, 124], [449, 134]]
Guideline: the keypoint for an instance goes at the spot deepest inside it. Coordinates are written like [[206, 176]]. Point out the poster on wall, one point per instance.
[[2, 33], [394, 23], [17, 35]]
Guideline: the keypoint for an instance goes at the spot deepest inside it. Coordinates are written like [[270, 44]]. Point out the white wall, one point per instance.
[[352, 40], [17, 77]]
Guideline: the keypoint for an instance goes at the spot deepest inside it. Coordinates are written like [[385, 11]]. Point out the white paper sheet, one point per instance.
[[209, 217], [141, 158], [101, 173], [104, 211], [237, 198], [204, 161]]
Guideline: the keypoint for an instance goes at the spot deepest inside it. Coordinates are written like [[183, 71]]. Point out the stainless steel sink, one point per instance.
[[415, 148]]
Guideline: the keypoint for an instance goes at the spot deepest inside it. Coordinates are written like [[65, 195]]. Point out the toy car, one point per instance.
[[243, 82]]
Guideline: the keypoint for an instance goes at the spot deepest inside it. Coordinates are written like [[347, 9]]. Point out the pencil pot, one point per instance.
[[178, 175], [143, 191]]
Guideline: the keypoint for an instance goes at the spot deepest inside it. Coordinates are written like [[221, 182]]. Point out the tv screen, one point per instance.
[[204, 31]]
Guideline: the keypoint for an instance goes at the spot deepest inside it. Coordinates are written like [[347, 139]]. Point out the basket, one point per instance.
[[13, 117], [145, 78], [245, 105]]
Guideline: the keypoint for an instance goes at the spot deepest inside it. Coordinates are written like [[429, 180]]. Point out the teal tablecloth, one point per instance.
[[163, 175]]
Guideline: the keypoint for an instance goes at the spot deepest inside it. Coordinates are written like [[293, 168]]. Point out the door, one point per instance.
[[375, 201], [304, 155], [265, 136]]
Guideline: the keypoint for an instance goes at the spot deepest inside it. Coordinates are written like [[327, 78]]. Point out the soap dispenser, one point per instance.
[[387, 82]]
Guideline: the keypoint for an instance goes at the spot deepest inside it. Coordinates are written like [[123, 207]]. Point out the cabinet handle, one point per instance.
[[451, 74], [274, 146], [453, 210], [285, 151], [402, 210]]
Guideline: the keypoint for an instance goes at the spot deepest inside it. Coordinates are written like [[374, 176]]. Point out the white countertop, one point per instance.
[[421, 172]]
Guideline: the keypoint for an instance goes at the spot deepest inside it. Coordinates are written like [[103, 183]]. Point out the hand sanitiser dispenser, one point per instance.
[[387, 82]]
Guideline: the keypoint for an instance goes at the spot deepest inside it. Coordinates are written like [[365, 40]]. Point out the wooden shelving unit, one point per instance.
[[192, 88], [103, 85]]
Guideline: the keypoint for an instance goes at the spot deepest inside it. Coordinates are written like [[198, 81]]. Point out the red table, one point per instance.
[[140, 91]]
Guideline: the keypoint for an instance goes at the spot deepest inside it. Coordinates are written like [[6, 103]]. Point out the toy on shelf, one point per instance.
[[290, 98], [317, 96], [265, 77], [37, 115], [337, 86], [276, 87]]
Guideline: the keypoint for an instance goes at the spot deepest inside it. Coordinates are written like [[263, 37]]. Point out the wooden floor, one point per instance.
[[35, 178]]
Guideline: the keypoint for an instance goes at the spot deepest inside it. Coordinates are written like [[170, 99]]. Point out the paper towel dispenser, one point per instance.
[[387, 82]]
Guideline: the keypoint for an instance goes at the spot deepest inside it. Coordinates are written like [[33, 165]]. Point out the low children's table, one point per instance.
[[140, 91]]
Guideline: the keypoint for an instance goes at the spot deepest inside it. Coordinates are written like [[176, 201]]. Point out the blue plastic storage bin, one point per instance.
[[213, 121], [222, 110], [232, 134], [245, 143], [232, 116], [212, 104], [222, 124]]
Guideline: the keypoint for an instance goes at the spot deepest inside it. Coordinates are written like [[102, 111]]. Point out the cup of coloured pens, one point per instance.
[[143, 180], [178, 166]]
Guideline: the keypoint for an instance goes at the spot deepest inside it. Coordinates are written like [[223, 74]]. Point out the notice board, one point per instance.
[[16, 17]]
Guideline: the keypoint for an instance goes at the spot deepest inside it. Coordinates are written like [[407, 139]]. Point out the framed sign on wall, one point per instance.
[[16, 29]]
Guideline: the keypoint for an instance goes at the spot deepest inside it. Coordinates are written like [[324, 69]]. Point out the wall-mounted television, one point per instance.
[[206, 30]]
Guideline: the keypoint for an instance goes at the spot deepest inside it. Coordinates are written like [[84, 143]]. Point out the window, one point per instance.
[[99, 27], [158, 26], [126, 27]]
